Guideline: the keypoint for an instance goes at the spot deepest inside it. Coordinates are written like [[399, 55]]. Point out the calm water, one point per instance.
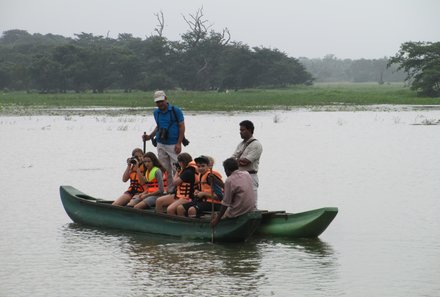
[[381, 170]]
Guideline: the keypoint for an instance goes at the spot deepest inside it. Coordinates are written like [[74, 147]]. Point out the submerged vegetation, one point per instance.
[[320, 95]]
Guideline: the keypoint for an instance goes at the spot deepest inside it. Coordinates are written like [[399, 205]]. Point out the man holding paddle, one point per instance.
[[239, 196], [169, 133]]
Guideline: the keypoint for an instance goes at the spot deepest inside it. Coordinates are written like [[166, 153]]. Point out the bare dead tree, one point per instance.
[[197, 25], [161, 25]]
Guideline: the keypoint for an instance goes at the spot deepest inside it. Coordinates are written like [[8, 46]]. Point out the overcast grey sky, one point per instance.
[[309, 28]]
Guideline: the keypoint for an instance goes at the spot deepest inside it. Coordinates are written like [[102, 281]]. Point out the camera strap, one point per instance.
[[245, 146], [171, 117]]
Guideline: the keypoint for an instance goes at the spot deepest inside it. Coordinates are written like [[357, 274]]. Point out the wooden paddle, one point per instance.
[[143, 139], [212, 203]]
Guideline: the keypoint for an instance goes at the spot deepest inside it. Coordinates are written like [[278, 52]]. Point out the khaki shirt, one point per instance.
[[250, 150]]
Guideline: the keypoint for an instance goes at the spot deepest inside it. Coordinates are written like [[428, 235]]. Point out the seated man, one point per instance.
[[239, 196], [209, 191]]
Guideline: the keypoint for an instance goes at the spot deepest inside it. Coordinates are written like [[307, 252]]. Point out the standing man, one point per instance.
[[169, 133], [239, 196], [248, 153]]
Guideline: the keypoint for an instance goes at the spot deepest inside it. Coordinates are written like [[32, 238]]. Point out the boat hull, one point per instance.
[[88, 210], [296, 225]]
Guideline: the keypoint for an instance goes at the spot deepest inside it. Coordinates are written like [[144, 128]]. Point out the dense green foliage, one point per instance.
[[421, 62], [202, 60], [330, 95], [332, 69]]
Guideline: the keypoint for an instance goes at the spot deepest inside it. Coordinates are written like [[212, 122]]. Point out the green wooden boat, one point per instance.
[[296, 225], [88, 210]]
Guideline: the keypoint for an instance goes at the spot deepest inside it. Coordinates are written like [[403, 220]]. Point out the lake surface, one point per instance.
[[380, 168]]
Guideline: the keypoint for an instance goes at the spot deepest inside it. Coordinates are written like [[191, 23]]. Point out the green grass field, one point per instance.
[[242, 100]]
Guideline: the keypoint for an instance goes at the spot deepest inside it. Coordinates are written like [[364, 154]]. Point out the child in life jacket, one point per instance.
[[154, 182], [209, 192], [184, 180], [134, 171]]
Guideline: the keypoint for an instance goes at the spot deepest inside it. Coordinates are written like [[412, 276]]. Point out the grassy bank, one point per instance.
[[242, 100]]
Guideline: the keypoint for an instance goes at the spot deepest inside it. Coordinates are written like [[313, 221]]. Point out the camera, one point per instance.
[[132, 160], [177, 166], [154, 141], [163, 133], [185, 141]]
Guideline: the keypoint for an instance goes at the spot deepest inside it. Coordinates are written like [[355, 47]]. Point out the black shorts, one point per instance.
[[201, 207], [132, 192]]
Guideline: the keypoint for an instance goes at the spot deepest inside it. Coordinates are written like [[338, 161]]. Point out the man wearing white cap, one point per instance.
[[169, 133]]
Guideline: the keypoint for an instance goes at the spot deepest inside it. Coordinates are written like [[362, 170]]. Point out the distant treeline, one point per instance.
[[332, 69], [201, 60]]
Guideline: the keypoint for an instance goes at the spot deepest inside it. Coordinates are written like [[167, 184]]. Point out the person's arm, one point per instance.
[[146, 137], [218, 216], [178, 147], [227, 199], [126, 174], [142, 178], [177, 180], [253, 152]]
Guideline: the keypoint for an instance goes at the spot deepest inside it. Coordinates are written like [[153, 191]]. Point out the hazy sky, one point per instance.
[[308, 28]]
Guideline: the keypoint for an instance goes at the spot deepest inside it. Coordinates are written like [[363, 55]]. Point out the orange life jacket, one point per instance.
[[150, 176], [152, 185], [186, 190], [135, 183], [205, 185]]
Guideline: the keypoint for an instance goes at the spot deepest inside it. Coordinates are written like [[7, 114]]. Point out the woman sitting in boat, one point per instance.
[[184, 180], [135, 169], [209, 190], [155, 180]]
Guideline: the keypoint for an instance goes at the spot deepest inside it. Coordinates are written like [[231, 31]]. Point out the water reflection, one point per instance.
[[190, 268], [160, 265], [303, 267]]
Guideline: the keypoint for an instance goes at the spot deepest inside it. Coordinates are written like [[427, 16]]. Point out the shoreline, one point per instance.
[[118, 111]]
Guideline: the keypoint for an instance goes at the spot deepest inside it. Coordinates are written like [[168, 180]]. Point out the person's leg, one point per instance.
[[192, 212], [122, 200], [172, 208], [181, 211], [135, 200], [164, 201], [141, 205], [255, 185], [172, 159], [162, 155], [151, 201]]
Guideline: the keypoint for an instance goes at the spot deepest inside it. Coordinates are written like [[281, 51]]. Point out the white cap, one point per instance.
[[159, 96]]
